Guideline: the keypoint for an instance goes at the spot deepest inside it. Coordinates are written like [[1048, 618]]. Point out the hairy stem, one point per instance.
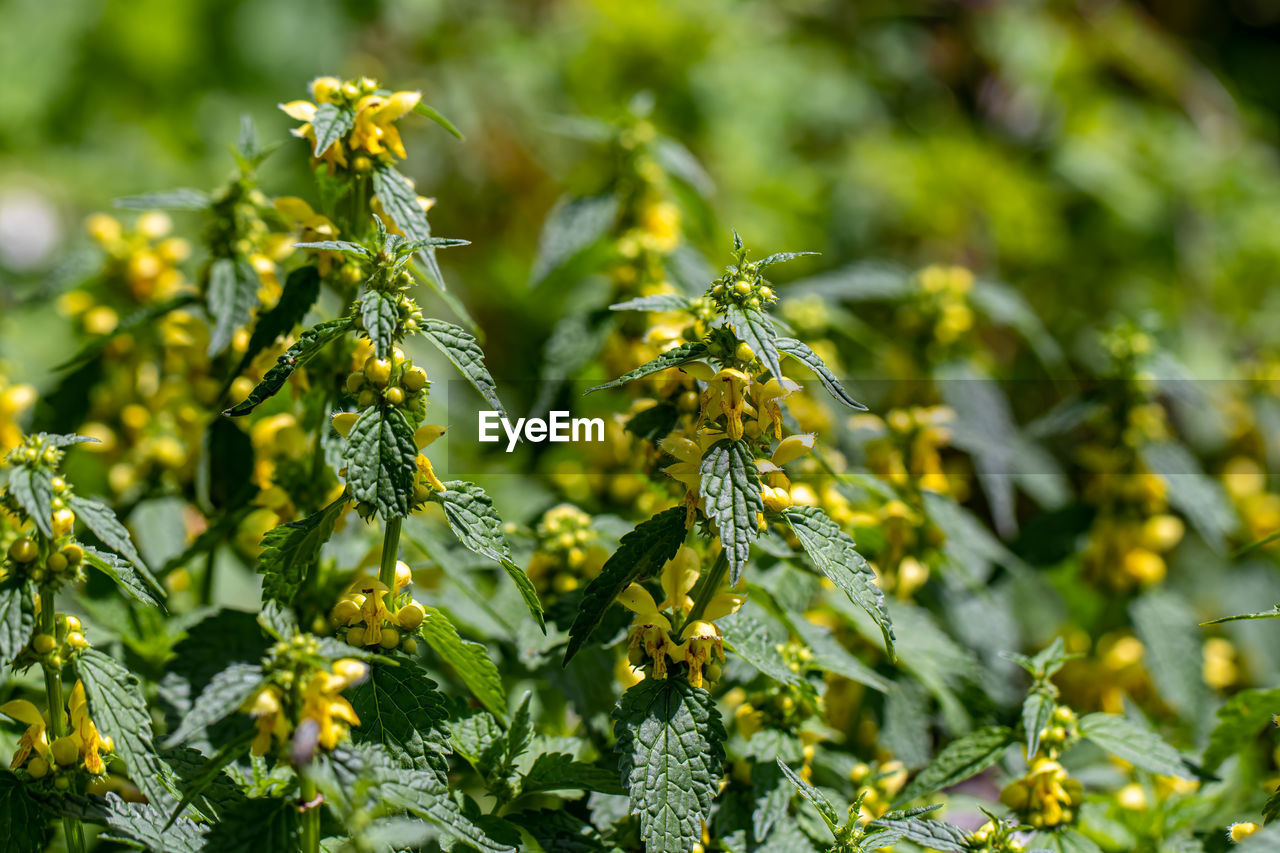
[[57, 715], [310, 841], [390, 551], [709, 588]]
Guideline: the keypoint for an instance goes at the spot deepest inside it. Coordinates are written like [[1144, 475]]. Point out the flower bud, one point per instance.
[[395, 395], [74, 554], [38, 767], [56, 562], [415, 378], [409, 645], [65, 751], [343, 421], [44, 643], [378, 371], [355, 382], [23, 550], [410, 616], [389, 639], [63, 521]]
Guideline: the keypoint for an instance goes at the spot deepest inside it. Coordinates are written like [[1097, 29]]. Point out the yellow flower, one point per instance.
[[704, 642], [35, 739], [373, 130], [14, 400], [264, 706], [87, 738], [322, 704], [725, 396]]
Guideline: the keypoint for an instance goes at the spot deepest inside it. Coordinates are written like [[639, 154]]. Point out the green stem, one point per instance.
[[206, 582], [71, 827], [709, 589], [390, 551], [310, 841]]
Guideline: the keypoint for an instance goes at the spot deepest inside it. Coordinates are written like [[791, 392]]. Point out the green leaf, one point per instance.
[[752, 642], [1273, 613], [731, 491], [465, 354], [475, 522], [128, 578], [755, 329], [1163, 622], [118, 708], [641, 553], [143, 317], [780, 258], [17, 621], [570, 229], [179, 199], [1062, 841], [400, 200], [833, 552], [1037, 711], [1138, 746], [147, 825], [815, 797], [802, 353], [33, 490], [232, 296], [380, 314], [102, 521], [671, 753], [1192, 492], [930, 834], [683, 354], [212, 770], [301, 290], [556, 771], [965, 756], [470, 660], [25, 822], [345, 247], [432, 113], [290, 552], [1239, 721], [330, 124], [1270, 810], [255, 826], [557, 831], [380, 456], [657, 302], [401, 710], [308, 345], [222, 697]]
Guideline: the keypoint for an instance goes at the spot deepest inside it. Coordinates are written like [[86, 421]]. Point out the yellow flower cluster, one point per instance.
[[655, 644], [1046, 796], [322, 713], [942, 305], [81, 748], [879, 783], [372, 615], [372, 134], [1132, 532], [907, 449], [1259, 509], [143, 260], [15, 400], [995, 837], [569, 550]]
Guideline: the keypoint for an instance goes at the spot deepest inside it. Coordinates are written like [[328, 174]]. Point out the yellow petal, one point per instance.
[[426, 434], [635, 598], [343, 421], [24, 712], [399, 104], [792, 448], [300, 110], [324, 88], [723, 604], [294, 208]]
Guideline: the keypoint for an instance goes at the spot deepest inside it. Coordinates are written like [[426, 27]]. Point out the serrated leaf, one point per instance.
[[781, 257], [801, 352], [331, 123], [465, 354], [256, 825], [833, 552], [470, 660], [308, 345], [380, 315], [1062, 841], [400, 200], [964, 757], [379, 456], [557, 771], [557, 831], [752, 642], [657, 302], [25, 822], [1273, 613], [435, 115], [1037, 711], [194, 785], [278, 620], [178, 199], [671, 753], [144, 316], [124, 574], [33, 490], [771, 792], [290, 552], [120, 712], [1138, 746], [755, 329], [572, 227], [232, 295], [102, 521], [683, 354], [345, 247], [401, 710], [147, 825], [1165, 624], [641, 553], [223, 696], [815, 797], [931, 834], [1238, 722], [478, 527], [17, 621], [730, 490], [301, 290]]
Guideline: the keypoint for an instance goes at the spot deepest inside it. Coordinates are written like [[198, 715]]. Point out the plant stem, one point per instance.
[[390, 551], [71, 827], [709, 588], [206, 582], [310, 841]]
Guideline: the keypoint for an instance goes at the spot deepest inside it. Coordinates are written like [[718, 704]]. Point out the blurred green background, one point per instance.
[[1096, 155]]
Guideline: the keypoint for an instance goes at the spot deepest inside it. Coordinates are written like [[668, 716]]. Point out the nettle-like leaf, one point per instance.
[[301, 290], [33, 489], [308, 345], [683, 354], [147, 825], [557, 771], [102, 521], [930, 834], [470, 660], [331, 123], [255, 825], [574, 226], [641, 553], [17, 621], [815, 797], [465, 354], [400, 200], [380, 314], [177, 199], [657, 302], [119, 710], [1238, 722], [344, 247], [1125, 739], [232, 296], [142, 588], [752, 642], [478, 527], [1273, 613], [756, 330], [670, 753], [1037, 711], [222, 697], [401, 710], [436, 116], [731, 495], [379, 456], [966, 756], [25, 821], [833, 552], [290, 552], [210, 774], [801, 352]]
